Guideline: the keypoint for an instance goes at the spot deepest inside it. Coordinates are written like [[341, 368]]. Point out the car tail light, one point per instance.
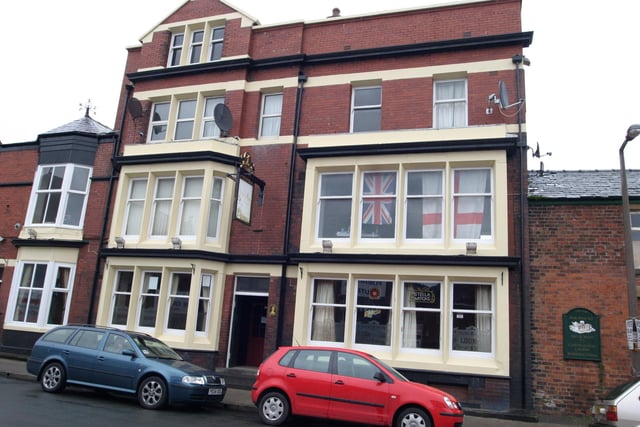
[[612, 413]]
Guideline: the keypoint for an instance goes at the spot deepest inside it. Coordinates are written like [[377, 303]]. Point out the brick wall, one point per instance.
[[577, 260]]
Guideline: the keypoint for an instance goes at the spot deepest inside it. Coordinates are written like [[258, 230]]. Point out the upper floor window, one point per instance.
[[209, 127], [424, 204], [159, 121], [177, 40], [450, 103], [162, 207], [204, 44], [271, 114], [423, 215], [185, 120], [472, 204], [60, 195], [635, 235], [195, 49], [366, 109], [190, 205], [215, 205], [41, 293], [135, 206], [336, 195], [378, 205], [215, 47]]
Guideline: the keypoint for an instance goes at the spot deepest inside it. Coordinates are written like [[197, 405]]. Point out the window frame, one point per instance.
[[215, 42], [457, 195], [207, 280], [405, 309], [117, 293], [209, 121], [374, 199], [184, 201], [454, 312], [155, 206], [132, 201], [453, 102], [319, 221], [215, 200], [144, 294], [196, 46], [47, 290], [268, 116], [425, 197], [175, 49], [65, 192], [355, 109], [188, 119], [324, 308], [174, 295], [161, 123]]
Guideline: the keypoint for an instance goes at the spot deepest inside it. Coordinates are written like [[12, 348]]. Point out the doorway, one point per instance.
[[248, 330]]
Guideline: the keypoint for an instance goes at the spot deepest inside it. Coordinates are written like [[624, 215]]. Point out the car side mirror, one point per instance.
[[380, 377], [129, 352]]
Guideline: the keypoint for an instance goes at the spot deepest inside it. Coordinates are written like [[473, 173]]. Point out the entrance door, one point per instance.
[[249, 326]]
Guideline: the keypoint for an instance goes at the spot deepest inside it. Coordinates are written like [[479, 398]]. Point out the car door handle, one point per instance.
[[291, 375], [101, 358], [66, 352], [339, 382]]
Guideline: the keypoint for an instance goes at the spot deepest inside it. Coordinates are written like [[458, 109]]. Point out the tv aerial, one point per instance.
[[223, 118]]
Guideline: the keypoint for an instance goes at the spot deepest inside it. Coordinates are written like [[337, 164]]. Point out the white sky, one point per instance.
[[582, 88]]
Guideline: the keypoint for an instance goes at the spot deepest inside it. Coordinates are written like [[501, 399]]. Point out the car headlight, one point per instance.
[[188, 379], [450, 404]]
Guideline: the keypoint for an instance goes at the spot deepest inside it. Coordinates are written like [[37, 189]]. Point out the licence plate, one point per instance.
[[215, 391]]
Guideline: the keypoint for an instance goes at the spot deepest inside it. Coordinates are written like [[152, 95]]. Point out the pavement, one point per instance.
[[239, 399]]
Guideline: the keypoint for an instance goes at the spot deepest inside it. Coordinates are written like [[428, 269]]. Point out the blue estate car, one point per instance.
[[122, 361]]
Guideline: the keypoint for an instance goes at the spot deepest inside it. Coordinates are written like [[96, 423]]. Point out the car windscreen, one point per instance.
[[154, 348], [617, 391]]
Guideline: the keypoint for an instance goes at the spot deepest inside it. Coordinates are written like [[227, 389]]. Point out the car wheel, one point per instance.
[[273, 408], [413, 417], [53, 378], [152, 393]]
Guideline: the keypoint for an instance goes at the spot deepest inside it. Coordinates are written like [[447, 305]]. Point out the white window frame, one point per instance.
[[65, 192], [355, 109], [196, 46], [325, 199], [456, 196], [270, 116], [190, 229], [134, 211], [453, 104], [373, 309], [174, 295], [215, 208], [118, 293], [146, 294], [216, 40], [159, 202], [159, 125], [185, 117], [207, 281], [432, 201], [323, 307], [47, 291], [407, 309], [210, 128], [175, 52], [379, 199], [456, 312]]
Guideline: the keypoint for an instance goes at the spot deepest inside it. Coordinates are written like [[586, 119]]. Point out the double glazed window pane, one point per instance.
[[335, 205], [159, 121], [367, 109], [186, 117], [196, 46], [217, 39]]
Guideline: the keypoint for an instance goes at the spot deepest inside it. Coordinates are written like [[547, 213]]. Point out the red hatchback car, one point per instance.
[[348, 385]]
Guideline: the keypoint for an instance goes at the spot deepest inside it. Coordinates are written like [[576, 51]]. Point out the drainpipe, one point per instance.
[[302, 79], [105, 219], [525, 298]]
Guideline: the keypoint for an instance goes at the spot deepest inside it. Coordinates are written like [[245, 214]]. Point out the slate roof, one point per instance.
[[588, 184], [84, 125]]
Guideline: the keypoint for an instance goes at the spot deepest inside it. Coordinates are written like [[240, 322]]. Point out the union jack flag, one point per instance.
[[378, 203]]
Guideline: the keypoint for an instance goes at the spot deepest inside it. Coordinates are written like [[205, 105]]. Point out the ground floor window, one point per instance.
[[416, 316], [40, 293]]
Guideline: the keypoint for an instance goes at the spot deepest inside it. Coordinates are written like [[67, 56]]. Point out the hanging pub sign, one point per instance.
[[581, 335], [244, 189]]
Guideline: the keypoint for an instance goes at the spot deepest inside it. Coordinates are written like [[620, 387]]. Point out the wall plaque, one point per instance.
[[581, 335]]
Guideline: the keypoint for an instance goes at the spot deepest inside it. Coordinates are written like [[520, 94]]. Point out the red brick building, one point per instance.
[[353, 181]]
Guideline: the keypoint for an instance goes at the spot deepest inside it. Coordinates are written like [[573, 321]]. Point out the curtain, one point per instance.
[[409, 327], [324, 325], [483, 320], [431, 206], [469, 210]]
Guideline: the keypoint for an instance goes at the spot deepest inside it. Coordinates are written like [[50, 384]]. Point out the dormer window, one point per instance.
[[196, 44]]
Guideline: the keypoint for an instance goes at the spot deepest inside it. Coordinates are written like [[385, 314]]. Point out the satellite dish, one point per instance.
[[135, 108], [222, 117], [504, 96]]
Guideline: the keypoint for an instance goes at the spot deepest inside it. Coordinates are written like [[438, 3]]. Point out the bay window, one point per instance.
[[190, 205], [378, 205], [40, 294], [60, 195], [215, 204], [162, 207], [472, 204], [135, 206], [424, 203]]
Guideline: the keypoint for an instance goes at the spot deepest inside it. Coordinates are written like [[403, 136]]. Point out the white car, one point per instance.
[[620, 407]]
